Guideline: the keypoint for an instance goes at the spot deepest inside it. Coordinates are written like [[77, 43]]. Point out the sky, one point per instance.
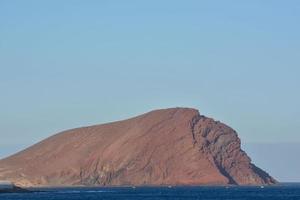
[[66, 64]]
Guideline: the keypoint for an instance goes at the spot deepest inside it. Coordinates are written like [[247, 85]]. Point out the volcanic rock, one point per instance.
[[176, 146]]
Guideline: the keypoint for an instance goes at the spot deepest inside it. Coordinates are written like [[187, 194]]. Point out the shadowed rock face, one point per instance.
[[175, 146]]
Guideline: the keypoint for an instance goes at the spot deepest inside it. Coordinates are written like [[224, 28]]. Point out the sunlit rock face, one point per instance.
[[176, 146]]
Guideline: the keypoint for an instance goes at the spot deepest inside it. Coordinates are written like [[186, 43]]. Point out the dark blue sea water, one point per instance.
[[279, 192]]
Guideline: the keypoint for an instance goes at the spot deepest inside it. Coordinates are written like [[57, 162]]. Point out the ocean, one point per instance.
[[278, 192]]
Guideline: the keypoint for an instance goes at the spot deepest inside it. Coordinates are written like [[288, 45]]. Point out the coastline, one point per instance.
[[152, 186]]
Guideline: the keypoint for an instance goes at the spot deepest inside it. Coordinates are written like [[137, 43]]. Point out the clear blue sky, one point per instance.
[[65, 64]]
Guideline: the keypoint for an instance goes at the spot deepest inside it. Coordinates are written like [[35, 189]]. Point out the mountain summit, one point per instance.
[[175, 146]]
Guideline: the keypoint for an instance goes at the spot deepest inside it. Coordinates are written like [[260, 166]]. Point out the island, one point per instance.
[[175, 146]]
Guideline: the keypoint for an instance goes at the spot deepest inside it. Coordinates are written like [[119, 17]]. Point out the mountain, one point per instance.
[[175, 146]]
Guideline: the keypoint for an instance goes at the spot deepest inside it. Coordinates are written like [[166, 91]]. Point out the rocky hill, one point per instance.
[[176, 146]]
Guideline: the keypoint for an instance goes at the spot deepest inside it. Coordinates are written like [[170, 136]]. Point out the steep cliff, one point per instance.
[[176, 146]]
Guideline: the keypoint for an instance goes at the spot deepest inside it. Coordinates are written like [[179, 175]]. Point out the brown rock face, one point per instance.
[[175, 146]]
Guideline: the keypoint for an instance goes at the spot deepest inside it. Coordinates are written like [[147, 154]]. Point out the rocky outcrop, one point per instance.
[[222, 147], [175, 146]]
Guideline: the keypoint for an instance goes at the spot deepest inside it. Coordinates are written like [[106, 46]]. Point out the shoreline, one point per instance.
[[153, 186]]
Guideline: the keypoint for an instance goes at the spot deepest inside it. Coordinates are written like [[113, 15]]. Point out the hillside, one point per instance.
[[176, 146]]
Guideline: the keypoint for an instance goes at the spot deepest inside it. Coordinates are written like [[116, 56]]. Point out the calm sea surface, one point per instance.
[[285, 191]]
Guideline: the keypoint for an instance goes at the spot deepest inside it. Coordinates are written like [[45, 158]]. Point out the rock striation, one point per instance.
[[175, 146]]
